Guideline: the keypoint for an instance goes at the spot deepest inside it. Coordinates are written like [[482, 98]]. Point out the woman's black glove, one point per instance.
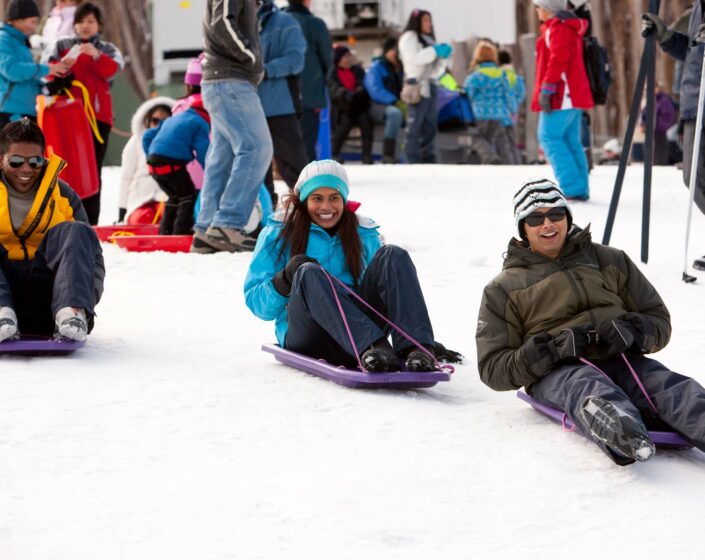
[[285, 278], [445, 355]]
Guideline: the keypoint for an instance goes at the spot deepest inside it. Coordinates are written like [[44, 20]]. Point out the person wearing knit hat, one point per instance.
[[317, 231], [194, 74], [553, 6], [571, 320], [21, 9]]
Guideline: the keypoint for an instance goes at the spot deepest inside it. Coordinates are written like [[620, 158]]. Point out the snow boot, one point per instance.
[[71, 324], [380, 358], [8, 323], [620, 432], [418, 360], [230, 239], [389, 150], [699, 264]]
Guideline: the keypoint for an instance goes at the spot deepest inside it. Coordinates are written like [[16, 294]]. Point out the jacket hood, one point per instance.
[[519, 255], [137, 123], [578, 25]]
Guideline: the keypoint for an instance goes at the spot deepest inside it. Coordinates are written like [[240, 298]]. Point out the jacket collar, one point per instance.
[[519, 254]]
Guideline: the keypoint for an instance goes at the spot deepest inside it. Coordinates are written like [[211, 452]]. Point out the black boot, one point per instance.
[[616, 429], [418, 360], [699, 264], [389, 150], [380, 358]]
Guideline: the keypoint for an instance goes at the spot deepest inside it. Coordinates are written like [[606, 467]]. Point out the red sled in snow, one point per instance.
[[105, 232], [68, 135], [150, 243]]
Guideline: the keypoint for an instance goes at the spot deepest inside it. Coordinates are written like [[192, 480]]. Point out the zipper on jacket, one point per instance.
[[52, 206]]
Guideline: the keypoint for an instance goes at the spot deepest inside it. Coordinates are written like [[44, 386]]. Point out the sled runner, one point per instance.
[[39, 345], [662, 439], [353, 378], [150, 243], [104, 232]]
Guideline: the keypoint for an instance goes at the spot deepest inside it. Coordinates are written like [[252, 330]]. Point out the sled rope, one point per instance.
[[564, 424], [439, 367], [634, 375], [88, 107]]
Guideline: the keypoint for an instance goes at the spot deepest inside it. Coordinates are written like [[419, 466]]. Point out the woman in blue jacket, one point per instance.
[[286, 282]]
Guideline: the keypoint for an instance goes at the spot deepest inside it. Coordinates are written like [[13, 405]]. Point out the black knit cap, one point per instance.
[[21, 9], [339, 52], [389, 44]]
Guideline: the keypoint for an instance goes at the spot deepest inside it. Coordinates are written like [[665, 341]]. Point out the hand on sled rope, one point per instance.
[[285, 277], [542, 351], [633, 331]]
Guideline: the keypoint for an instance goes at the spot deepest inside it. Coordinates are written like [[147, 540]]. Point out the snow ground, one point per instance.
[[171, 435]]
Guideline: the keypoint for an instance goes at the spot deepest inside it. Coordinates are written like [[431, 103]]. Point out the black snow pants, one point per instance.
[[289, 150], [178, 186], [67, 271], [389, 284], [680, 400]]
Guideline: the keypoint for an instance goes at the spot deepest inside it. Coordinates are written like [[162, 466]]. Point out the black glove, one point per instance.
[[545, 101], [285, 278], [445, 355], [571, 343], [651, 23], [122, 212], [540, 354], [644, 331], [617, 335]]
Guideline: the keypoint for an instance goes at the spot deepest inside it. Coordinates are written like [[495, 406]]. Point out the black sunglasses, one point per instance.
[[35, 162], [155, 121], [537, 218]]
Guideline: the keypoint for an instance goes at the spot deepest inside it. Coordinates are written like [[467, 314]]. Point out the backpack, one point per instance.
[[598, 69]]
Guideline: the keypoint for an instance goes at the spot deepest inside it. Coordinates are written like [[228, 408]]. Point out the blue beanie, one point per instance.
[[319, 174]]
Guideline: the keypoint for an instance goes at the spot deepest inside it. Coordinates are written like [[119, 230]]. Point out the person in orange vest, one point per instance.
[[45, 288]]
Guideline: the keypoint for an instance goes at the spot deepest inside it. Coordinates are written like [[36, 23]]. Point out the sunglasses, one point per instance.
[[537, 218], [35, 162], [155, 121]]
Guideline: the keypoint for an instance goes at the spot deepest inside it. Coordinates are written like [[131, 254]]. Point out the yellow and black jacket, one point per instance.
[[54, 203]]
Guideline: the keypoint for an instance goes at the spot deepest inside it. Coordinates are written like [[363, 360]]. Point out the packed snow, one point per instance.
[[171, 435]]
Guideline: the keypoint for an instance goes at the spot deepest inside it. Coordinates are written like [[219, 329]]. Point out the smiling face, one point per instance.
[[87, 27], [325, 206], [548, 238], [23, 178]]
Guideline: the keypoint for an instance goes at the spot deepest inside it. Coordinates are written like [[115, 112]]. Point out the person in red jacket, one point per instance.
[[561, 93], [94, 63]]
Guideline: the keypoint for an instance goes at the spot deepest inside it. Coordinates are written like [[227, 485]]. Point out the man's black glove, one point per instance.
[[652, 23], [540, 354], [644, 332], [617, 335], [571, 343], [445, 355], [285, 278]]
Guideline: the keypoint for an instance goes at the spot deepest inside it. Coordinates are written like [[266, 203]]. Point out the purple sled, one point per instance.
[[670, 440], [353, 378], [39, 345]]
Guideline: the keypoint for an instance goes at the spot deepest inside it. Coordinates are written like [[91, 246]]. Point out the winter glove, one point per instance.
[[122, 212], [700, 35], [617, 335], [651, 23], [545, 95], [645, 331], [571, 343], [285, 278], [540, 354], [443, 50], [445, 355]]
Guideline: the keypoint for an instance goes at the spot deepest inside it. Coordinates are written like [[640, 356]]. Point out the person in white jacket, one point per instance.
[[138, 191], [60, 21], [424, 62]]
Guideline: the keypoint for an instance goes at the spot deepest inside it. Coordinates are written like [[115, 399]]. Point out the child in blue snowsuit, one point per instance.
[[169, 148], [286, 283]]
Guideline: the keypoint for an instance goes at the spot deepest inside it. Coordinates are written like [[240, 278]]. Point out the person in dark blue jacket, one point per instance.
[[383, 83], [318, 231], [283, 51], [169, 148]]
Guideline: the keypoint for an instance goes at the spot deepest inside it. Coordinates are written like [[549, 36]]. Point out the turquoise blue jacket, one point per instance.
[[261, 296], [20, 76], [490, 94]]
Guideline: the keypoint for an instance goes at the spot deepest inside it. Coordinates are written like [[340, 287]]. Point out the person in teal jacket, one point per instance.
[[20, 76], [317, 231]]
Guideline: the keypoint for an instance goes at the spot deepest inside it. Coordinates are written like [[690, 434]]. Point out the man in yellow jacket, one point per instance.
[[51, 263]]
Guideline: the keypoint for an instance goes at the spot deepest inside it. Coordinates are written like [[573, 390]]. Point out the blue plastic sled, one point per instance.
[[39, 345], [353, 378], [670, 440]]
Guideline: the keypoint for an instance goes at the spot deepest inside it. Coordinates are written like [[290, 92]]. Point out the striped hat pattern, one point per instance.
[[538, 193], [324, 173]]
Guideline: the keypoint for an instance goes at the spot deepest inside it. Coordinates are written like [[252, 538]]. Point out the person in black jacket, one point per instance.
[[351, 103]]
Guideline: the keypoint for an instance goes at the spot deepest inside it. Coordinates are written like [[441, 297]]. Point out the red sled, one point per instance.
[[105, 232], [69, 136], [150, 243]]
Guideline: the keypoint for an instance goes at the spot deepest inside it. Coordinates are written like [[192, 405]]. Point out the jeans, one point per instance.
[[421, 130], [238, 157], [390, 116], [559, 136]]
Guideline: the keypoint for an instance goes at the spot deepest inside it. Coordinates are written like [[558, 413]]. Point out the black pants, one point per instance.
[[389, 284], [92, 203], [289, 150], [67, 271], [344, 124], [680, 400], [310, 121], [178, 209]]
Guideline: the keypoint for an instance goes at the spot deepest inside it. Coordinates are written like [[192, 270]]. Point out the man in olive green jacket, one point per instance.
[[561, 299]]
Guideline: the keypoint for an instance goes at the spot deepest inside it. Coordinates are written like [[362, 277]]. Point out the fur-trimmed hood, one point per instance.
[[137, 124]]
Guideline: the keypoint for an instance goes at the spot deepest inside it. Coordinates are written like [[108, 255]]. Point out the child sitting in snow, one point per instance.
[[171, 146]]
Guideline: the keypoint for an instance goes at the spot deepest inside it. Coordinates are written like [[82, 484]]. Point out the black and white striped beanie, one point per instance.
[[537, 193]]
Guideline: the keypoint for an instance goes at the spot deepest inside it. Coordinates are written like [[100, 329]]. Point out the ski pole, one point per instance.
[[694, 169]]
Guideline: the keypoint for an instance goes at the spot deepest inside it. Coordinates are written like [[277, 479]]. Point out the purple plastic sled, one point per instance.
[[670, 440], [38, 345], [354, 378]]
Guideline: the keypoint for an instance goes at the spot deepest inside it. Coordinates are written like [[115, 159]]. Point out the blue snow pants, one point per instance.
[[389, 284], [559, 136], [67, 271], [680, 400]]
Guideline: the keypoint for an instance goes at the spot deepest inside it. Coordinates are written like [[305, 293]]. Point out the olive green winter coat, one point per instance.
[[587, 285]]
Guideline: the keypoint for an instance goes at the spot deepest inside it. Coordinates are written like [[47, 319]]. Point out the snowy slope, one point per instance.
[[172, 436]]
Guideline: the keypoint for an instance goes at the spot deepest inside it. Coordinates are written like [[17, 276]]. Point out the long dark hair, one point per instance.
[[296, 227], [414, 24]]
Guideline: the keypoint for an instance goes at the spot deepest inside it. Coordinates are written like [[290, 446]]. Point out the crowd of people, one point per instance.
[[568, 319]]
